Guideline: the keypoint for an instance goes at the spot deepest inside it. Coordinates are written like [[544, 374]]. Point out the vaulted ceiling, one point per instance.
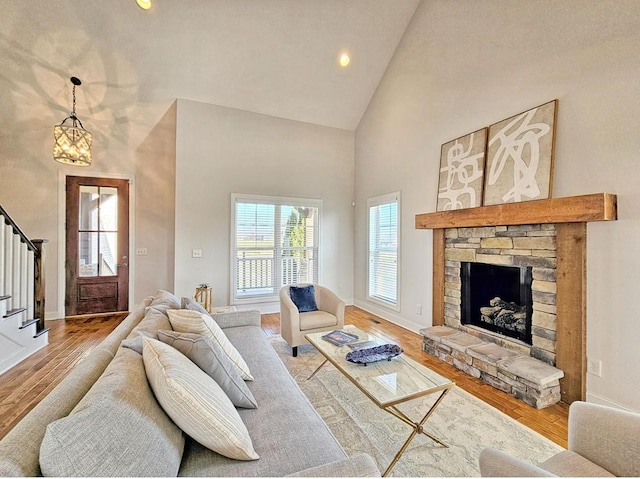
[[277, 57]]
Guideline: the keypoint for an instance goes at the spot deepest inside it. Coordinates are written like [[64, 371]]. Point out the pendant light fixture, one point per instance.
[[72, 143]]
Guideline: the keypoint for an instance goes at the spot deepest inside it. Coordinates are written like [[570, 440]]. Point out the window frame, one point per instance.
[[372, 202], [274, 201]]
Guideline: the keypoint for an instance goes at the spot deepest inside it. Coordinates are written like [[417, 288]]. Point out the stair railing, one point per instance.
[[20, 276]]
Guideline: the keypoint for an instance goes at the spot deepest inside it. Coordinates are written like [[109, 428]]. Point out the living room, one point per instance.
[[453, 67]]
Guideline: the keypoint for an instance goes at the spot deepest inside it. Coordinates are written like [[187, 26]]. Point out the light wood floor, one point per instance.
[[70, 341]]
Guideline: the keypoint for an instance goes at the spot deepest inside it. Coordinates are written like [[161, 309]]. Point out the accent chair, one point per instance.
[[603, 441], [294, 324]]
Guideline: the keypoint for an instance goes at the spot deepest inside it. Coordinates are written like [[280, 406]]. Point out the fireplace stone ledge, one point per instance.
[[528, 379]]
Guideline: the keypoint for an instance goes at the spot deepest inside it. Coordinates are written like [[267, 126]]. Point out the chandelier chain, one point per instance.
[[73, 112]]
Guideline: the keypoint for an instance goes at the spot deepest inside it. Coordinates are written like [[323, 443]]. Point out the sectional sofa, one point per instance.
[[107, 418]]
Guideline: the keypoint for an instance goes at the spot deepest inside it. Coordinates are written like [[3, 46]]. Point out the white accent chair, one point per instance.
[[603, 442], [294, 325]]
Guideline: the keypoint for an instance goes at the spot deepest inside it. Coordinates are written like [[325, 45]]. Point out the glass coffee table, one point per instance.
[[387, 383]]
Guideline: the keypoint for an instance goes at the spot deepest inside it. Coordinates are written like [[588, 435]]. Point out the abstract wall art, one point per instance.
[[520, 156], [461, 172]]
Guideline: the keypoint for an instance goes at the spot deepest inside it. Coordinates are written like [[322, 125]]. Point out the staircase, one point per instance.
[[22, 330]]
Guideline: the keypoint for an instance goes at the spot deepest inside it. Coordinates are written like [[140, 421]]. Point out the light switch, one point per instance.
[[141, 251], [196, 253]]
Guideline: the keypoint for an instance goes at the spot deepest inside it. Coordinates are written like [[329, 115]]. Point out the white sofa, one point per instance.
[[122, 430]]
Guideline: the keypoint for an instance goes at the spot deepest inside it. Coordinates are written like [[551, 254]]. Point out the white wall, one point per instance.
[[465, 65], [155, 208], [222, 151]]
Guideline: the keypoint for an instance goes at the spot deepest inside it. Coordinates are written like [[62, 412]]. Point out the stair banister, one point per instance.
[[11, 279]]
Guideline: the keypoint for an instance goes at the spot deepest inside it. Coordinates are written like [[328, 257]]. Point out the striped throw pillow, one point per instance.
[[188, 321], [195, 402]]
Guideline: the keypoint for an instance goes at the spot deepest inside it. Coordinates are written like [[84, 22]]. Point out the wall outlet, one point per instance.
[[594, 366], [419, 309], [141, 251], [196, 253]]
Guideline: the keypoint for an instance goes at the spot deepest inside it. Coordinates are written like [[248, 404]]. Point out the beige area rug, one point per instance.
[[462, 421]]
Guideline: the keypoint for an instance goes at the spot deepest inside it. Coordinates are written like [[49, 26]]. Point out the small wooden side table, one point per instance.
[[204, 296]]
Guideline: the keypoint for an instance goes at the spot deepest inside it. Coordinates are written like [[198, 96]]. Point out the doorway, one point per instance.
[[97, 245]]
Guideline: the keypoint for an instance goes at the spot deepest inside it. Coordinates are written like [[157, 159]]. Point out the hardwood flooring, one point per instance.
[[22, 387]]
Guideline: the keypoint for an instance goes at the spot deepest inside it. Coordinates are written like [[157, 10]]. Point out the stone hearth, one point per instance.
[[526, 378]]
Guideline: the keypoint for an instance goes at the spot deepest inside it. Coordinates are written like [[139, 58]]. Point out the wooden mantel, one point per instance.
[[572, 209], [570, 215]]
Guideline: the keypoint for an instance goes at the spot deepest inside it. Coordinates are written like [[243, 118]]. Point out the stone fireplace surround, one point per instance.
[[569, 216], [509, 366], [516, 245]]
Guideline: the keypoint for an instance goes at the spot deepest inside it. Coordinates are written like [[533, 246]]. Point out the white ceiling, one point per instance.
[[277, 57]]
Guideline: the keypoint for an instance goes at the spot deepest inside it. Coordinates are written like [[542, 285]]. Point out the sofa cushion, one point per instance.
[[570, 464], [195, 401], [304, 297], [187, 321], [116, 422], [209, 356], [154, 320], [317, 319]]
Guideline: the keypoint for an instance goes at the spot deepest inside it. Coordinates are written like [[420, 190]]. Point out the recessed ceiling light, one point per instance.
[[144, 4], [344, 60]]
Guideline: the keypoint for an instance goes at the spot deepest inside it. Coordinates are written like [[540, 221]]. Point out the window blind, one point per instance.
[[383, 249]]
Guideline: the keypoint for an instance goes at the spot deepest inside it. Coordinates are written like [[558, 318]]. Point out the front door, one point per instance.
[[97, 273]]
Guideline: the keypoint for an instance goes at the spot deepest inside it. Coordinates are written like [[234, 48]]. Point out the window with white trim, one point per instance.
[[274, 243], [383, 252]]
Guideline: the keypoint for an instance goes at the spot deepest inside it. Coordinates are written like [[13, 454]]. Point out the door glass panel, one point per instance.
[[108, 209], [98, 231], [88, 254], [108, 254], [88, 207]]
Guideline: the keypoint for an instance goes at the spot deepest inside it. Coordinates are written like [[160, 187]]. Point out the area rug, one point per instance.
[[462, 421]]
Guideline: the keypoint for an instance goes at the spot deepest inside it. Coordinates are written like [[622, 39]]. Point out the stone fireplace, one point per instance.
[[547, 237], [516, 264]]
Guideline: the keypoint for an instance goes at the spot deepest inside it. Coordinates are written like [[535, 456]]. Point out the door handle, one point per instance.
[[122, 265]]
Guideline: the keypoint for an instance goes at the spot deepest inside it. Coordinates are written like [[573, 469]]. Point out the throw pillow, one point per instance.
[[209, 356], [195, 402], [304, 297], [192, 304], [111, 429], [187, 321], [135, 343], [164, 299]]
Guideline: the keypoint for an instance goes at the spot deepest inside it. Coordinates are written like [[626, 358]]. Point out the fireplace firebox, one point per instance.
[[497, 298]]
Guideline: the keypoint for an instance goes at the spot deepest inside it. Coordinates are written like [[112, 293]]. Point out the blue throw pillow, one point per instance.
[[304, 298]]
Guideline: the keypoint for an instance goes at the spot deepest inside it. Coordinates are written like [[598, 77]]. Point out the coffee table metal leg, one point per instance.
[[318, 368], [418, 428]]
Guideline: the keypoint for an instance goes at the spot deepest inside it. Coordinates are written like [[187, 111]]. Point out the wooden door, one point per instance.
[[97, 245]]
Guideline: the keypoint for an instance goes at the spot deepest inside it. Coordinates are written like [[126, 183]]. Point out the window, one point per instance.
[[384, 254], [275, 243]]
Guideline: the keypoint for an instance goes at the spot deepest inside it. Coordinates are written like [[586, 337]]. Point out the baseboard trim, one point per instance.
[[603, 401], [389, 316]]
